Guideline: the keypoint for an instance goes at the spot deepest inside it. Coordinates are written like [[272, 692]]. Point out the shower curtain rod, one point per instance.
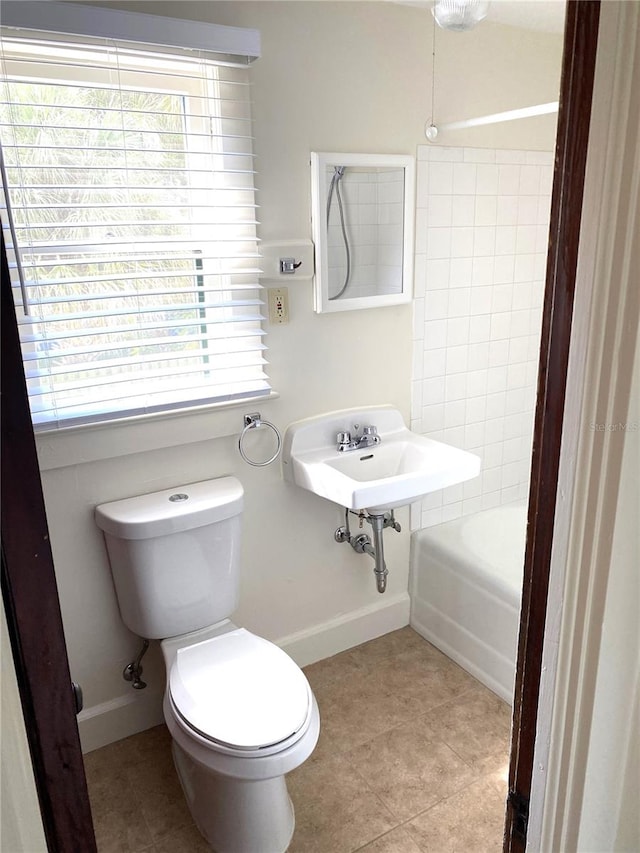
[[495, 118]]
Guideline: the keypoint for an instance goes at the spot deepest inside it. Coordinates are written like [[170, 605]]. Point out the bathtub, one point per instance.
[[466, 584]]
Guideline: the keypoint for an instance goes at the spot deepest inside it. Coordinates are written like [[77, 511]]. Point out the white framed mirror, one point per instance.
[[362, 209]]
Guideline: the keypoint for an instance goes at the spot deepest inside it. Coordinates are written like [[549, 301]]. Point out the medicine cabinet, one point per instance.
[[363, 230]]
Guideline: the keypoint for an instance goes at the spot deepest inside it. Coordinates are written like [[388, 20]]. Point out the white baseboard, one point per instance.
[[118, 718], [138, 710], [336, 635]]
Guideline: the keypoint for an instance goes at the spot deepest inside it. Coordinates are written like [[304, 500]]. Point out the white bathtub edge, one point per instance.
[[495, 671]]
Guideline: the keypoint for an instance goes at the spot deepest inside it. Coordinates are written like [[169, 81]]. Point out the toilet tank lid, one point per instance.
[[171, 510]]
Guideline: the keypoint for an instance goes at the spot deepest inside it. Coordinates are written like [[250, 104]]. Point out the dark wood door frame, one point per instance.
[[30, 596], [28, 579], [574, 115]]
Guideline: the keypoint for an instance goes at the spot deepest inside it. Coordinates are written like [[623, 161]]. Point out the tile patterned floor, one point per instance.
[[412, 758]]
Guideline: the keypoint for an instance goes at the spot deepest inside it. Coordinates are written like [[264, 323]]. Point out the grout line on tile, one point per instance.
[[408, 820]]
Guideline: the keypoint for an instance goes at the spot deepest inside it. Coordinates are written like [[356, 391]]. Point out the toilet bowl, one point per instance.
[[241, 715], [240, 712]]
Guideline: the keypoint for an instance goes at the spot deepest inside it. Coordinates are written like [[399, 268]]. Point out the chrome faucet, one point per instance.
[[369, 437]]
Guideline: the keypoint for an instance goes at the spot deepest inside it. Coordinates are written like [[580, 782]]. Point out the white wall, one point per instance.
[[20, 823], [333, 77], [482, 225], [613, 765]]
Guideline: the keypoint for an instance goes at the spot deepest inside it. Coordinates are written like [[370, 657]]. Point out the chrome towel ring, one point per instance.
[[254, 421]]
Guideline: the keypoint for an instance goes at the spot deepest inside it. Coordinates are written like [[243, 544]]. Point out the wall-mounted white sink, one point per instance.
[[399, 470]]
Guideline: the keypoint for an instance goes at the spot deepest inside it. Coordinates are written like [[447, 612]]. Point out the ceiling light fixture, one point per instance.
[[459, 15]]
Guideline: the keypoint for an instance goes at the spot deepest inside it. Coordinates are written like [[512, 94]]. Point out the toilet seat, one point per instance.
[[239, 691]]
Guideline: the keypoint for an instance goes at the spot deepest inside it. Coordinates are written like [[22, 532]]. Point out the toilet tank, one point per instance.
[[175, 556]]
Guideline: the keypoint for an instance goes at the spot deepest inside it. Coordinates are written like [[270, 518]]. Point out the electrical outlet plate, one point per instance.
[[278, 298]]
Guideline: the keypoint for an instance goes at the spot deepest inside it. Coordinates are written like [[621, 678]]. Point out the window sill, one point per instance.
[[78, 444]]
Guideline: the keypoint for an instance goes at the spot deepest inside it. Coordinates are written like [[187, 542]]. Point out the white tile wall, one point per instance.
[[482, 219]]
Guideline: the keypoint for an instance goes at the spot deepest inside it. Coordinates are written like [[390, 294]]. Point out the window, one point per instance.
[[130, 218]]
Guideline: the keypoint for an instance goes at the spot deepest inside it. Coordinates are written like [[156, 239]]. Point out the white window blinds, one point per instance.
[[130, 221]]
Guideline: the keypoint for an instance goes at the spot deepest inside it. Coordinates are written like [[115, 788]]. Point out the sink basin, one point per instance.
[[398, 471]]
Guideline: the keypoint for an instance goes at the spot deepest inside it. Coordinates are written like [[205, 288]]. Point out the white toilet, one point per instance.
[[240, 711]]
